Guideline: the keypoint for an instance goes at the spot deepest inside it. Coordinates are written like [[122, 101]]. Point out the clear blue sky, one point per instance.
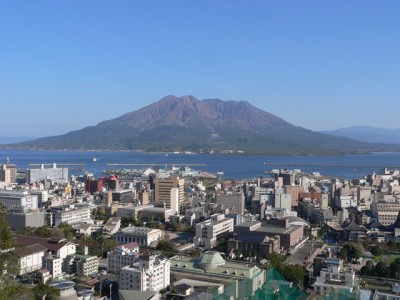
[[321, 64]]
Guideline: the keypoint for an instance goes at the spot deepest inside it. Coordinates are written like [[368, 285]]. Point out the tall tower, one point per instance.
[[8, 173], [170, 189]]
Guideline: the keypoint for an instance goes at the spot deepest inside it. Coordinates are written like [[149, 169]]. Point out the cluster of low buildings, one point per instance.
[[244, 220]]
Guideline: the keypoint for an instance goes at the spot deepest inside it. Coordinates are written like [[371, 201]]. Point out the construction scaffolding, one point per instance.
[[275, 287]]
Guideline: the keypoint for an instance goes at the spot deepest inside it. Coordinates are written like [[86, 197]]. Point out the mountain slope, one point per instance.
[[187, 124], [368, 134], [16, 139]]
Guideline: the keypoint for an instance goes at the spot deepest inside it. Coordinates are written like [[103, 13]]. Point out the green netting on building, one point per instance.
[[274, 287], [341, 295]]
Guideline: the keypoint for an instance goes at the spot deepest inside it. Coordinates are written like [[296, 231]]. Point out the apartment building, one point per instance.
[[335, 278], [81, 264], [150, 273], [53, 264], [121, 256]]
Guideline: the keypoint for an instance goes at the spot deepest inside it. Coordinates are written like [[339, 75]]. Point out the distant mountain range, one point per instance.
[[368, 134], [15, 139], [211, 125]]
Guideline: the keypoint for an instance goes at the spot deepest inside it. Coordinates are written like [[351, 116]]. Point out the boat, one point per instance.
[[94, 158]]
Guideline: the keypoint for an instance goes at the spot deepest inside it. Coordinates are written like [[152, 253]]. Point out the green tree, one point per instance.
[[394, 269], [392, 244], [11, 290], [166, 245], [376, 250], [27, 231], [44, 231], [381, 269], [368, 269], [295, 273], [45, 292], [126, 221], [8, 262], [67, 230], [350, 251]]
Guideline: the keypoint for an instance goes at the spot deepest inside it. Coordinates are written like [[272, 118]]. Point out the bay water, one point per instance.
[[233, 166]]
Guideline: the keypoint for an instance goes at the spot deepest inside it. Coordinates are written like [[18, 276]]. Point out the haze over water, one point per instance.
[[233, 166]]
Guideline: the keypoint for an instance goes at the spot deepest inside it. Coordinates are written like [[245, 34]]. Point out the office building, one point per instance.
[[290, 235], [142, 235], [53, 174], [21, 217], [209, 232], [8, 174], [69, 214], [233, 201], [170, 191], [11, 199]]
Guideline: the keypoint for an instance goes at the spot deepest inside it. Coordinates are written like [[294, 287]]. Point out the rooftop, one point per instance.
[[139, 230], [49, 244], [28, 250], [82, 256]]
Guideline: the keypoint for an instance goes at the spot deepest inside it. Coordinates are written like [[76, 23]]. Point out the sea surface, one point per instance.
[[233, 166]]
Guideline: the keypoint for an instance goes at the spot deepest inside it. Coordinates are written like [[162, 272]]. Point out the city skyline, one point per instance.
[[321, 66]]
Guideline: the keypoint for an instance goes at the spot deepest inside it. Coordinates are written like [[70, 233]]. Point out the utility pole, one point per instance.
[[110, 290]]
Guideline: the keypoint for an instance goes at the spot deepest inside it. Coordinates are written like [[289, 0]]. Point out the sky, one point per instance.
[[322, 65]]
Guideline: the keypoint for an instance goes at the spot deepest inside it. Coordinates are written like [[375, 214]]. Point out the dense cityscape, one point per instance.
[[180, 233]]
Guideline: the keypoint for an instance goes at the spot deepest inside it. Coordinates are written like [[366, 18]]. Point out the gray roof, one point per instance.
[[134, 295], [211, 258], [277, 230], [28, 250]]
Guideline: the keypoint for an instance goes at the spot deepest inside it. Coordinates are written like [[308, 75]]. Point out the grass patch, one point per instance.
[[388, 258]]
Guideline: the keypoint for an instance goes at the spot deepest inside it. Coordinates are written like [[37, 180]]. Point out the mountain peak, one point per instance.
[[188, 124]]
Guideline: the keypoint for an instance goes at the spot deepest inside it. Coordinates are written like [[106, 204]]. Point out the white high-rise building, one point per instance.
[[283, 201], [150, 273]]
